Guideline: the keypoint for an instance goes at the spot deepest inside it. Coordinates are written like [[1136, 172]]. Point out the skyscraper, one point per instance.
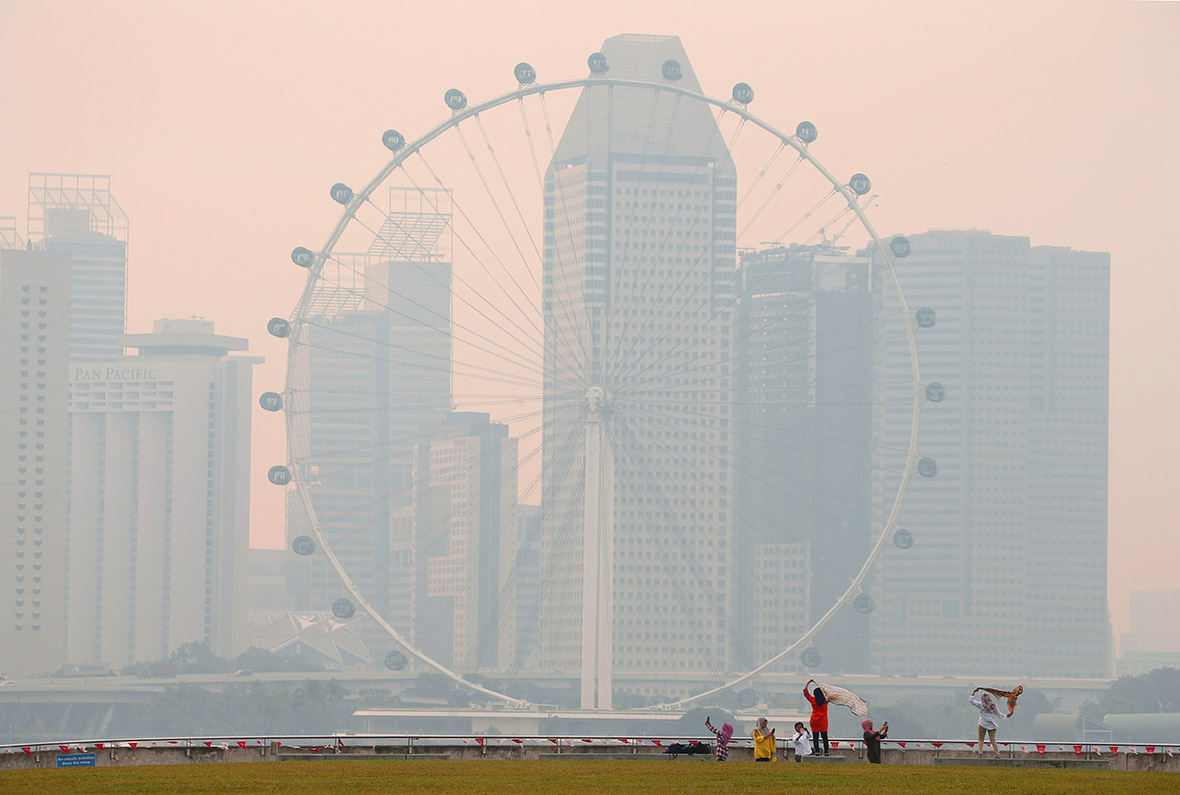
[[639, 262], [34, 449], [376, 372], [464, 547], [160, 496], [1007, 572], [807, 328], [76, 214]]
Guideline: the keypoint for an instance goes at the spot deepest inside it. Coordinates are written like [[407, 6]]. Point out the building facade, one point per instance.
[[639, 268], [807, 329], [76, 214], [464, 551], [34, 449], [1007, 572], [159, 497]]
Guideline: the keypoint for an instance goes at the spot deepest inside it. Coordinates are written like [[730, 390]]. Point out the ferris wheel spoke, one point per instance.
[[528, 337], [512, 197], [361, 298], [531, 315], [753, 474], [637, 208], [678, 347], [439, 539], [774, 193], [722, 376], [528, 134], [814, 208]]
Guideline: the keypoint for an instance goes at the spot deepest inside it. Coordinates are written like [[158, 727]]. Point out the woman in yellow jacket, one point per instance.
[[763, 742]]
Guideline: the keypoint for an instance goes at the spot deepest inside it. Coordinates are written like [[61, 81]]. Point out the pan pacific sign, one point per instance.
[[105, 373]]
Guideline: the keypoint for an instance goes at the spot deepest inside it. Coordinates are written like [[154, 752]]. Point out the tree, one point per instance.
[[1154, 692]]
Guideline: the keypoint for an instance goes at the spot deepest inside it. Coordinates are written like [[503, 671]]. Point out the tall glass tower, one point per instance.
[[640, 203]]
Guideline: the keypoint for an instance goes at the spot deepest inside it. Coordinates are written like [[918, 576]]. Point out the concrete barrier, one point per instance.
[[274, 752]]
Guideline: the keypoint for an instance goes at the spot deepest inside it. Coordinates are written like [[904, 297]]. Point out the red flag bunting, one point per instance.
[[1151, 749], [624, 741], [586, 741], [242, 744], [1077, 749], [98, 746], [518, 742], [479, 740], [970, 745], [937, 745], [65, 749], [27, 749], [902, 745], [554, 741], [1114, 749], [657, 742], [1041, 750], [835, 744], [207, 744]]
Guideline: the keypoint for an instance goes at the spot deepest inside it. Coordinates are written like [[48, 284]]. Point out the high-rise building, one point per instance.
[[465, 532], [806, 339], [1006, 575], [376, 369], [639, 262], [159, 496], [34, 448], [76, 214]]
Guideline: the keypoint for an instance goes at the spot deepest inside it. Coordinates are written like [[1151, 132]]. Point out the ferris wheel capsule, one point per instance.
[[935, 392], [278, 327], [811, 657], [806, 132], [341, 193], [303, 545], [859, 184], [393, 140], [270, 401], [303, 257], [396, 661], [525, 74], [903, 539], [927, 467], [925, 317], [342, 608], [863, 603], [456, 100], [900, 246], [597, 63], [743, 94], [279, 475], [672, 69]]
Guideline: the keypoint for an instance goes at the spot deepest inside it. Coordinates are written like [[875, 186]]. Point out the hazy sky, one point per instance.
[[222, 125]]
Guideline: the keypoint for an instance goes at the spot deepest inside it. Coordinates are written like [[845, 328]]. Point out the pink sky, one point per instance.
[[223, 124]]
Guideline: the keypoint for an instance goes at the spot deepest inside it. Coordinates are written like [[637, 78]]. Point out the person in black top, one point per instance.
[[873, 739]]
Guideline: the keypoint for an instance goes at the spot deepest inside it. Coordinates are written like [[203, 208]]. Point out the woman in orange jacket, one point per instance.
[[819, 717]]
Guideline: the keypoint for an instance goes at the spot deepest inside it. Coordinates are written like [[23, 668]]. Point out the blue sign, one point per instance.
[[75, 760]]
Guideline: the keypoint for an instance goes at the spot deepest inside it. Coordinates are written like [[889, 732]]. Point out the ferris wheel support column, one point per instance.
[[597, 553]]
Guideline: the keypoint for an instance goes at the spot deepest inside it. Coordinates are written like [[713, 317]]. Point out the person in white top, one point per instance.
[[802, 741], [989, 721]]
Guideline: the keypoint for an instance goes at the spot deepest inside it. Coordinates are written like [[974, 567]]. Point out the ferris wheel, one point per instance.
[[560, 392]]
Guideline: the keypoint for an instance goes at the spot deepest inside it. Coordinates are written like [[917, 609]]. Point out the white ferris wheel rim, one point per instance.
[[299, 315]]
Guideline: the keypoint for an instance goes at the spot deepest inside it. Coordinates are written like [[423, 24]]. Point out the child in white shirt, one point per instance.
[[802, 741]]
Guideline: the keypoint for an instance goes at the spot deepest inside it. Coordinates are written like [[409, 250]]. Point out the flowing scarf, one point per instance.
[[1009, 695], [845, 698]]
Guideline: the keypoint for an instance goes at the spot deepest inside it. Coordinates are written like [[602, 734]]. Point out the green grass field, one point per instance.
[[564, 777]]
